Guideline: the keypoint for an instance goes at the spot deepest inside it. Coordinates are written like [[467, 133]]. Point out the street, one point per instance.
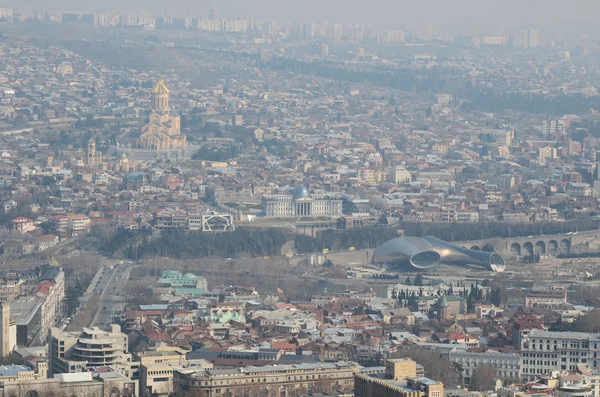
[[110, 287], [103, 298]]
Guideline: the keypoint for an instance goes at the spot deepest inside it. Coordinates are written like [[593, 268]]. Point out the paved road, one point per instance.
[[110, 287]]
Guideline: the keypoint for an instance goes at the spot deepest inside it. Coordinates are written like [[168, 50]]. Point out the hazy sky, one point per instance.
[[578, 16]]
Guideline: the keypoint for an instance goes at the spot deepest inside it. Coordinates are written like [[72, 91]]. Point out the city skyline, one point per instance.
[[459, 17]]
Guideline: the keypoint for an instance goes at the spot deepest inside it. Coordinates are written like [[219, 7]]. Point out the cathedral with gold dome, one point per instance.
[[162, 132]]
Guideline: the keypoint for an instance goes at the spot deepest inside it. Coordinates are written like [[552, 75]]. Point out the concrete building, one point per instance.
[[157, 367], [355, 206], [34, 301], [10, 287], [398, 175], [91, 348], [5, 345], [280, 379], [302, 203], [506, 365], [399, 380], [29, 384], [545, 351]]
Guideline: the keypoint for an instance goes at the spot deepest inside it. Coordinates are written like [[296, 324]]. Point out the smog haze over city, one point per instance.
[[264, 198], [458, 16]]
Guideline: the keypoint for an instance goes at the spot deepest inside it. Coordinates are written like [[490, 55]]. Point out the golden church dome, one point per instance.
[[160, 88]]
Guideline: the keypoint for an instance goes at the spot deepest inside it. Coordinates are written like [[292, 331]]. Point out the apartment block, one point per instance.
[[545, 351]]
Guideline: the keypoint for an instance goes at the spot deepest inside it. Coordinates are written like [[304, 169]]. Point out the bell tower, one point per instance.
[[160, 97], [93, 158]]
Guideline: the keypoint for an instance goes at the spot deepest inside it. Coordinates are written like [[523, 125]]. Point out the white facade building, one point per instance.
[[545, 351], [302, 203], [506, 365]]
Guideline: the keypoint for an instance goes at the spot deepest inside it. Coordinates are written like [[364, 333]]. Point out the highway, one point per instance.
[[110, 288]]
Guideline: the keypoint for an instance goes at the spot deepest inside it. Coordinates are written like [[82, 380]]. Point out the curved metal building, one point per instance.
[[421, 253]]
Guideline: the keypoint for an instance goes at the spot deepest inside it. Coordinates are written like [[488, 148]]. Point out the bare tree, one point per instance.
[[483, 378], [436, 366], [322, 385], [195, 393], [585, 294], [589, 322]]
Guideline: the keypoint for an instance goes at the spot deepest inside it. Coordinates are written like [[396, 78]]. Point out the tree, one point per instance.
[[483, 378], [195, 393], [589, 322], [419, 280], [436, 365], [322, 386], [496, 296]]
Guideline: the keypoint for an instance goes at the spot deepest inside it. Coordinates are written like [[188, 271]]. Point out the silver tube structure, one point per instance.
[[427, 252]]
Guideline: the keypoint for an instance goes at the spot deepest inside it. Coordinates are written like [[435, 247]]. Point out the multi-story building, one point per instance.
[[355, 206], [398, 175], [35, 298], [547, 152], [302, 203], [59, 224], [482, 310], [546, 297], [283, 380], [506, 365], [51, 292], [399, 380], [10, 287], [91, 348], [545, 351], [494, 40], [157, 366], [5, 327], [553, 126], [78, 223], [29, 383], [46, 241], [228, 311], [467, 217], [369, 176], [578, 189], [6, 13]]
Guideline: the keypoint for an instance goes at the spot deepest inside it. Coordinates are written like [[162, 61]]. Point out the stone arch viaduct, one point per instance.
[[524, 246]]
